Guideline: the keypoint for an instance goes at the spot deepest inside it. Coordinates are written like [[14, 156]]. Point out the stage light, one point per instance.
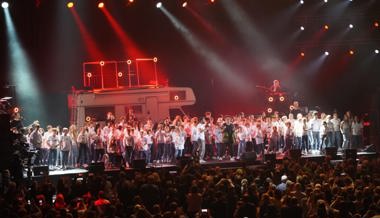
[[302, 54], [377, 51], [131, 1], [291, 107], [88, 118], [326, 1], [184, 4], [212, 1], [301, 2], [16, 110], [159, 5], [270, 99], [326, 27], [120, 74], [351, 52], [129, 62], [176, 97], [101, 5], [376, 24], [101, 63], [269, 110], [155, 60], [282, 98], [70, 4], [5, 5], [302, 28], [327, 53], [89, 75], [351, 26]]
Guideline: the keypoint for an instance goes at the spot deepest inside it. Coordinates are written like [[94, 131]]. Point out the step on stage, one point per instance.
[[251, 162]]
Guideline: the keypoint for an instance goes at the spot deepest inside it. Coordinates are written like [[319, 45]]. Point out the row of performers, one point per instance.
[[115, 143]]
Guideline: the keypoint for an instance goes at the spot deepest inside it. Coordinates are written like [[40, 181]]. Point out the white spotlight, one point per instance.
[[377, 51], [4, 5], [302, 28], [301, 2], [184, 4], [159, 4], [327, 53], [326, 1], [351, 26]]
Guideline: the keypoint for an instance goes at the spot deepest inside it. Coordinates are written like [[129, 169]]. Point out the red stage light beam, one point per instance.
[[91, 47], [130, 47]]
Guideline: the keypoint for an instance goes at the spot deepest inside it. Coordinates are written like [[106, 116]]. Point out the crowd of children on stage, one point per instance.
[[119, 141]]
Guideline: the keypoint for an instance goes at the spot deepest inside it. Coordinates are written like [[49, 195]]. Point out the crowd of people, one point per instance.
[[117, 142], [348, 189]]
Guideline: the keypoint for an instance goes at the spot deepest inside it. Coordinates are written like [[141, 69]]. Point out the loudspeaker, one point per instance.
[[249, 157], [96, 167], [41, 170], [270, 158], [295, 154], [6, 153], [331, 151], [139, 164], [350, 154]]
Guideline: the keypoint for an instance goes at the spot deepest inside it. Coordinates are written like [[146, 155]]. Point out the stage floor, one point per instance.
[[223, 164]]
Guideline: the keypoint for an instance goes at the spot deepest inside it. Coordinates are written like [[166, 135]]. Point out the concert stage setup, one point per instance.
[[42, 172]]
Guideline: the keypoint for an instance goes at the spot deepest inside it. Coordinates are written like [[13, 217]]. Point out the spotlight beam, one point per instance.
[[213, 61], [259, 46], [130, 47], [91, 47], [28, 94]]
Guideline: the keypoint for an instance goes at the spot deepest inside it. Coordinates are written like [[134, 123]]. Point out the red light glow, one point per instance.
[[91, 47], [351, 52], [302, 54], [326, 27], [101, 5], [16, 110]]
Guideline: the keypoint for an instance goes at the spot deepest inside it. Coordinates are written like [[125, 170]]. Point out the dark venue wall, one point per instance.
[[241, 44]]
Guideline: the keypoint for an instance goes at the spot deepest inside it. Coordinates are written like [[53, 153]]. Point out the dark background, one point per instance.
[[52, 40]]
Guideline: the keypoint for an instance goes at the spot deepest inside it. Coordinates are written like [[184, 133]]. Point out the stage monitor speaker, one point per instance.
[[350, 154], [370, 148], [331, 151], [270, 158], [139, 163], [249, 157], [41, 170], [97, 167], [295, 154]]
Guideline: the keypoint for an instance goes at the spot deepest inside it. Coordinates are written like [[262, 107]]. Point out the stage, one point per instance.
[[174, 167]]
